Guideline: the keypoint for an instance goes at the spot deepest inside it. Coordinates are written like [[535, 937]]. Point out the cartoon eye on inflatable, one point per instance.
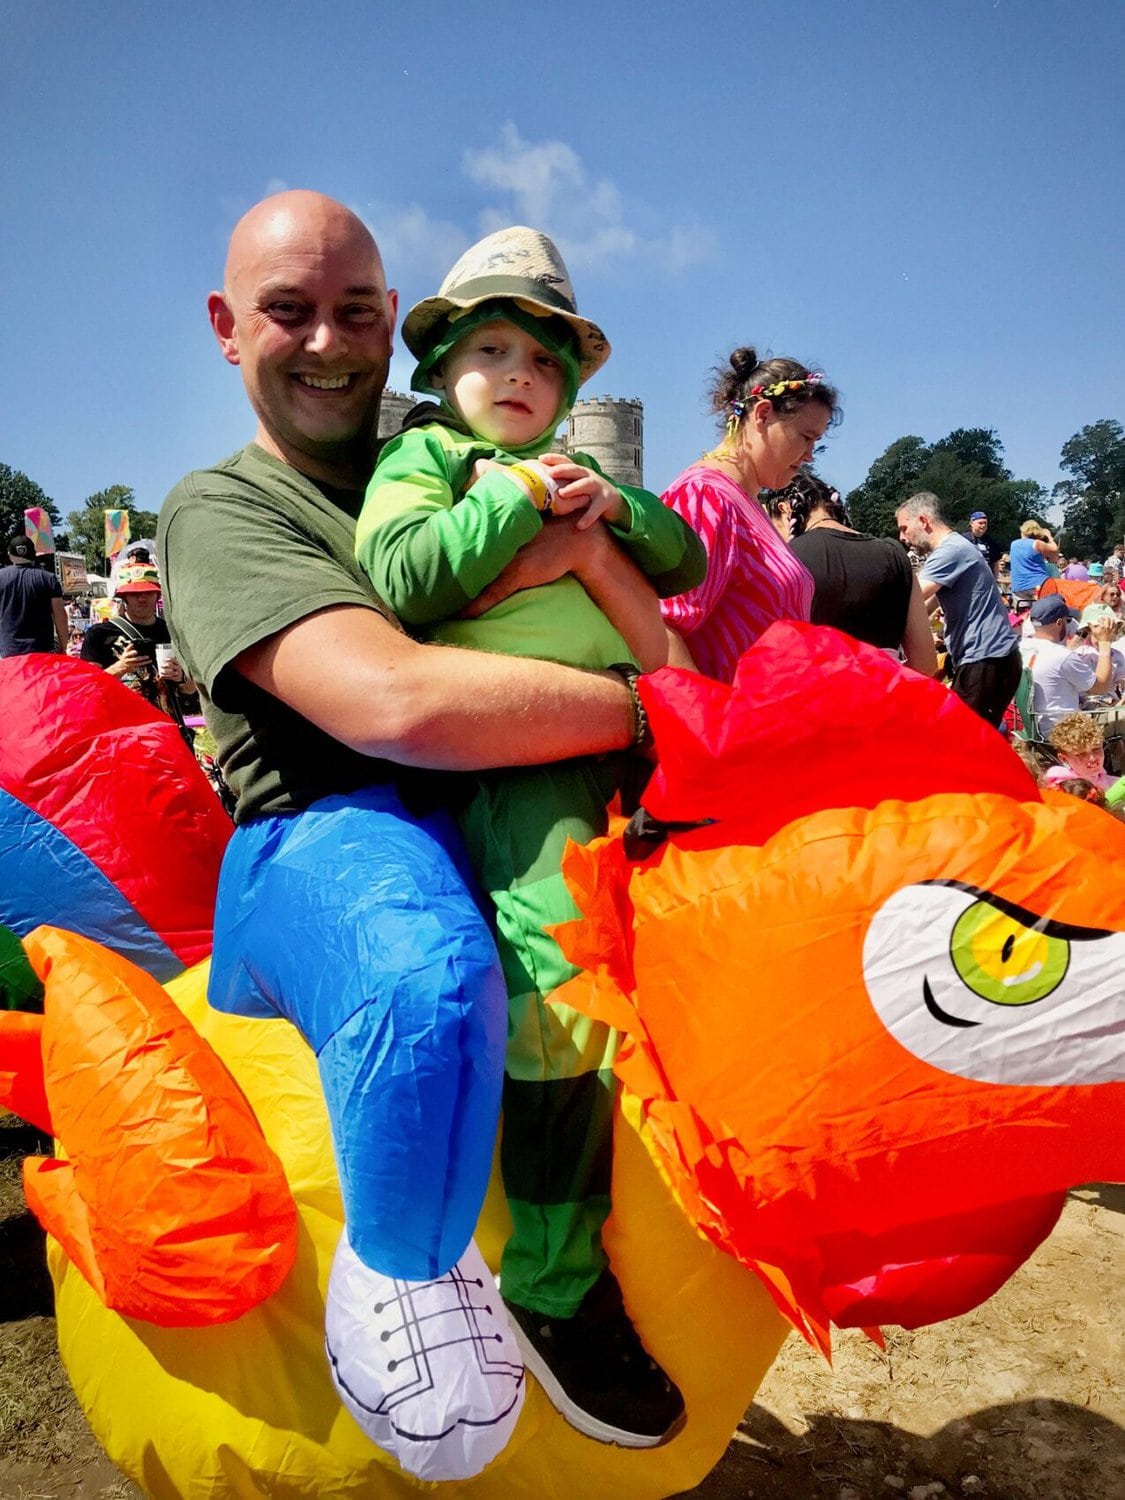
[[983, 988]]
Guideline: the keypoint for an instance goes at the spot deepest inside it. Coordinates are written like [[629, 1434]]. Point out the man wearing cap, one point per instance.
[[32, 611], [956, 579], [328, 718], [989, 549], [1061, 676]]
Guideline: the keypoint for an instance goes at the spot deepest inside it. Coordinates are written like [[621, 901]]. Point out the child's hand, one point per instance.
[[582, 489]]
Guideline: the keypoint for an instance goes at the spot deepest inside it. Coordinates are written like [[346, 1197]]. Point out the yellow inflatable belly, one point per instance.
[[248, 1409]]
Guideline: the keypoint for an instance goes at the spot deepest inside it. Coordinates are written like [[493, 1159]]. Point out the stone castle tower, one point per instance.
[[613, 432], [392, 409], [610, 430]]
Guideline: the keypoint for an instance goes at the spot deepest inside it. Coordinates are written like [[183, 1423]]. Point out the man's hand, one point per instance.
[[582, 490], [562, 547], [130, 660]]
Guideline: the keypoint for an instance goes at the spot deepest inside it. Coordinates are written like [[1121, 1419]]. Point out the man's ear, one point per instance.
[[436, 378], [222, 321]]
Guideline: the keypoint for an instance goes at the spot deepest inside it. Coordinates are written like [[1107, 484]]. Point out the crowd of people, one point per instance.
[[549, 588]]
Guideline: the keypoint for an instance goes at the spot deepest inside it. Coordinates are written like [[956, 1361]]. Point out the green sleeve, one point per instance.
[[661, 543], [427, 549]]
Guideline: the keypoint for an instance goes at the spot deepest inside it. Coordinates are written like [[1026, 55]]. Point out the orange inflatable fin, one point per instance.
[[21, 1068], [170, 1202]]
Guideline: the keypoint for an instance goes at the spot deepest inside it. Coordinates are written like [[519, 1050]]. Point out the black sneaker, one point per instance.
[[597, 1372]]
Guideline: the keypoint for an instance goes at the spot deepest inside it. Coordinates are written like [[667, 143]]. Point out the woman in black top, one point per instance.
[[864, 584]]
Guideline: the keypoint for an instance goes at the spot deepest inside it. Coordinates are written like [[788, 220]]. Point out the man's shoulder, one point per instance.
[[957, 542], [248, 469], [1045, 653], [951, 556]]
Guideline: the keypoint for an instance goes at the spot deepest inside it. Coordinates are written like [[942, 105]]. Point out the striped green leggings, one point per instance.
[[556, 1148]]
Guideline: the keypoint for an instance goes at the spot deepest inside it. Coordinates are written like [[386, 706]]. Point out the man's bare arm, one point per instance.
[[62, 624], [348, 671], [612, 580], [930, 591]]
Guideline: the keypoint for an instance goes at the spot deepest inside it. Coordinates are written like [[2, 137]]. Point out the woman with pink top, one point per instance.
[[774, 413]]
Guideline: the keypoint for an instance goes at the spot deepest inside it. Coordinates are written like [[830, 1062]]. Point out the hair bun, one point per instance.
[[744, 362]]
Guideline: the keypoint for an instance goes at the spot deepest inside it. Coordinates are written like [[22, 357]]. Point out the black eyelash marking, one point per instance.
[[1030, 919]]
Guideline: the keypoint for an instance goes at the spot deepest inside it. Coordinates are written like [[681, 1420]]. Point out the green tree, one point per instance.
[[87, 526], [979, 446], [17, 494], [1093, 498], [965, 469], [892, 477]]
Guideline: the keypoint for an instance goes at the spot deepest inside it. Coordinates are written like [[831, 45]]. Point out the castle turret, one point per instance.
[[612, 431], [392, 409]]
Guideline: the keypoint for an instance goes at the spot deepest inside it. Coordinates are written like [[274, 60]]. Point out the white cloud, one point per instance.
[[545, 185], [409, 237]]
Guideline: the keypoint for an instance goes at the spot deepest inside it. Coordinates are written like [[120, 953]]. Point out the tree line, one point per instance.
[[965, 469], [84, 530]]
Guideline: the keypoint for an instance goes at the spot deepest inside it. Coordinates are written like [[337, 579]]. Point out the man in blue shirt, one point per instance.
[[956, 579], [32, 611]]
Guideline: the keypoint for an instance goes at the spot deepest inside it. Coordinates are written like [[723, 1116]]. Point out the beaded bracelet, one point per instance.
[[642, 730]]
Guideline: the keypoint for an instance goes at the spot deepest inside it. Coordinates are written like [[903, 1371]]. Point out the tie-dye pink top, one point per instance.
[[752, 577]]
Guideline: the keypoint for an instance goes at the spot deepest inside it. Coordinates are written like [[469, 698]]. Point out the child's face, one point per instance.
[[504, 384], [1085, 763]]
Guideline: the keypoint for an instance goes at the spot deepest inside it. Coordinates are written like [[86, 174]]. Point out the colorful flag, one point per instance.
[[37, 526], [116, 531]]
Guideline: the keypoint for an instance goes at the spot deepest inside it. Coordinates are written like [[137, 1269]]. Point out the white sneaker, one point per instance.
[[429, 1369]]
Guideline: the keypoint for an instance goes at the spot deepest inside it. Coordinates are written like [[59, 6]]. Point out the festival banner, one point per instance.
[[37, 526], [116, 531]]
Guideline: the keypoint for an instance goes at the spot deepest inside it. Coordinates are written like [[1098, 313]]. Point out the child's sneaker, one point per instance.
[[429, 1369], [597, 1372]]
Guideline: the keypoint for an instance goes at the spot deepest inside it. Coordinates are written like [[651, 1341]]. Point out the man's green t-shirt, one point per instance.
[[246, 549]]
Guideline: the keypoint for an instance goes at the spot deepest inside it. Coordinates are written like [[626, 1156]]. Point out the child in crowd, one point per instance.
[[1078, 741], [1078, 786], [452, 500]]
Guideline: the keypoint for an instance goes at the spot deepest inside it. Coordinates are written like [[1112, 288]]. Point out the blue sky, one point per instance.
[[924, 199]]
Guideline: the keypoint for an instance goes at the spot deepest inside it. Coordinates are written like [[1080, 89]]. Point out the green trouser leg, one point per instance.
[[556, 1148]]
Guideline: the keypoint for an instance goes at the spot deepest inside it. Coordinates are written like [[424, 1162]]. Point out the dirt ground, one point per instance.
[[1020, 1400]]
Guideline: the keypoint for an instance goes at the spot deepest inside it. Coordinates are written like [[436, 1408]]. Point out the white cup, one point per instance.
[[165, 656]]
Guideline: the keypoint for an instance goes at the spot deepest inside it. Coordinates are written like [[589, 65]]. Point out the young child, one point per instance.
[[1078, 740], [453, 498]]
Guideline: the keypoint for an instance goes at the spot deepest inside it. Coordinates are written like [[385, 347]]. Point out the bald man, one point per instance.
[[337, 908]]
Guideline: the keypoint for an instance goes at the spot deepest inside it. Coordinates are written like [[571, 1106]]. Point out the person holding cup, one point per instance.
[[135, 645]]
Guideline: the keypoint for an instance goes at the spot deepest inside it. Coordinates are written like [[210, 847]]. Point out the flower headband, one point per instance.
[[737, 409], [783, 387]]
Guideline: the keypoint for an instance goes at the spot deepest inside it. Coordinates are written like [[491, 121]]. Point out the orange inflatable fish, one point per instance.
[[168, 1199], [875, 1009]]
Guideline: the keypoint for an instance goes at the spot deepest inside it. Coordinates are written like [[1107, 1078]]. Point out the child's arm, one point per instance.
[[660, 542], [426, 555]]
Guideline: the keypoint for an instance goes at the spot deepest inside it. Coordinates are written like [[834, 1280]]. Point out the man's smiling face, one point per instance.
[[307, 316]]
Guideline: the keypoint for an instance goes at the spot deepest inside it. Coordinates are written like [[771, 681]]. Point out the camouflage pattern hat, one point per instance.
[[516, 264]]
